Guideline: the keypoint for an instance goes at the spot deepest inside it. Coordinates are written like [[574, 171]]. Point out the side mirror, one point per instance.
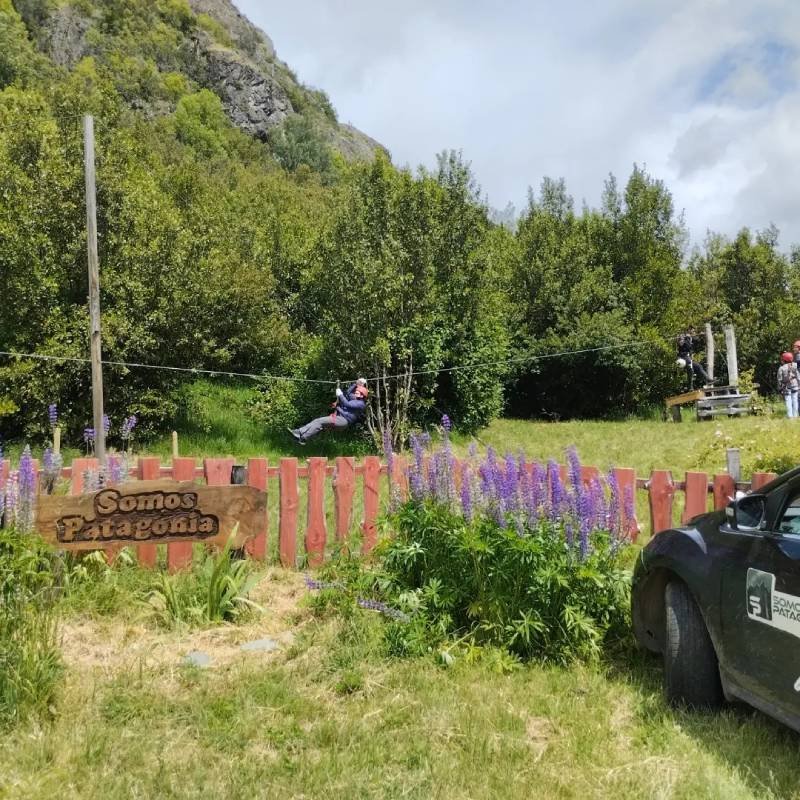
[[749, 513]]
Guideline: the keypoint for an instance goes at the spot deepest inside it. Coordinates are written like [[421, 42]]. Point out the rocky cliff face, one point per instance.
[[258, 91]]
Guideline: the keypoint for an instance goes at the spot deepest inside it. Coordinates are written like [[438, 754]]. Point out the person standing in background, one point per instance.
[[789, 383]]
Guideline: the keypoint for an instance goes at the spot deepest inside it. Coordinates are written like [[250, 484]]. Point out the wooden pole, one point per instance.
[[57, 440], [734, 459], [709, 351], [94, 290], [175, 451], [730, 352]]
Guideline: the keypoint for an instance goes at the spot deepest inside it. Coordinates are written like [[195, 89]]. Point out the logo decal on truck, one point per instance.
[[766, 605]]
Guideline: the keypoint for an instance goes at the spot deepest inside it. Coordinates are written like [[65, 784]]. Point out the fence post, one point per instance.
[[662, 493], [626, 480], [257, 478], [760, 479], [696, 497], [343, 488], [733, 458], [149, 470], [372, 471], [724, 491], [287, 534], [218, 471], [179, 554], [316, 531]]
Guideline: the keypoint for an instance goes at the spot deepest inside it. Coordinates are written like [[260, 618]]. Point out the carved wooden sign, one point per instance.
[[153, 512]]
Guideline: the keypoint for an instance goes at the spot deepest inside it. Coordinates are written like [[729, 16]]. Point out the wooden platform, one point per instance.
[[711, 401]]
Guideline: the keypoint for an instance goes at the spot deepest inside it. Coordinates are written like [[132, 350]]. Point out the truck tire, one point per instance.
[[691, 669]]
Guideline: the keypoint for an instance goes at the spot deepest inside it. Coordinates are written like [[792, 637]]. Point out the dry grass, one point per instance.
[[133, 722]]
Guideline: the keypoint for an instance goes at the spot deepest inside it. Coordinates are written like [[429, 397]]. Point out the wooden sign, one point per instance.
[[154, 512]]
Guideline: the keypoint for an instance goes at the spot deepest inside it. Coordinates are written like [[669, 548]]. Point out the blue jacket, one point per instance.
[[350, 407]]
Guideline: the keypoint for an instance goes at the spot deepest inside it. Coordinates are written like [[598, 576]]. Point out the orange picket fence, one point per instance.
[[348, 480]]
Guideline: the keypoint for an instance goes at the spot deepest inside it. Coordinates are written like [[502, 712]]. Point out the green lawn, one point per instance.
[[328, 717]]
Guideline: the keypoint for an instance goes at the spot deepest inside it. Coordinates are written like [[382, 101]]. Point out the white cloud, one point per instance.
[[706, 93]]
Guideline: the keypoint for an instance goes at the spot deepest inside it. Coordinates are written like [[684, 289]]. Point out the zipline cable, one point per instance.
[[289, 379]]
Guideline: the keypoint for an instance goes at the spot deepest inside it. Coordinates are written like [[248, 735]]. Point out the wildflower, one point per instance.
[[382, 608], [472, 450], [416, 473], [615, 506], [117, 469], [106, 424], [315, 585], [26, 480], [446, 424], [51, 469], [12, 497], [128, 424], [466, 493], [52, 414]]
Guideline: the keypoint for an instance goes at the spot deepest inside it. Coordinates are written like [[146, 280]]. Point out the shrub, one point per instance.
[[30, 663], [517, 562], [530, 593]]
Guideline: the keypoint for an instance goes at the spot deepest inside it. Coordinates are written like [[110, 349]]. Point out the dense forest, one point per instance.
[[291, 245]]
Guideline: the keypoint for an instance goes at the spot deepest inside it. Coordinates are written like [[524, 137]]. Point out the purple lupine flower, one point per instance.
[[433, 477], [510, 483], [569, 533], [466, 493], [12, 497], [117, 471], [472, 450], [446, 424], [382, 608], [88, 435], [106, 424], [614, 505], [51, 469], [27, 475], [52, 414], [574, 469], [128, 424], [555, 489], [315, 585]]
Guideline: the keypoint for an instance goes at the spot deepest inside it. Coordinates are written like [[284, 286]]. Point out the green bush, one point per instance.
[[478, 587], [30, 662]]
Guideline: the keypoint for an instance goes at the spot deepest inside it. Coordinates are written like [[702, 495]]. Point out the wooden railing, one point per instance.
[[700, 492]]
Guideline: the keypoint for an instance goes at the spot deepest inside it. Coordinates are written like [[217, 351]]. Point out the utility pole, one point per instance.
[[94, 290]]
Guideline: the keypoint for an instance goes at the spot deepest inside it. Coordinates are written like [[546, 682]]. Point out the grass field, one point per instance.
[[327, 716]]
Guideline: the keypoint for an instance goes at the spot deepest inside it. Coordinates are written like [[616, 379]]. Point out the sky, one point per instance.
[[704, 93]]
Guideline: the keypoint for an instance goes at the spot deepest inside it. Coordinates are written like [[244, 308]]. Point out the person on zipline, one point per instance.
[[351, 406], [694, 369]]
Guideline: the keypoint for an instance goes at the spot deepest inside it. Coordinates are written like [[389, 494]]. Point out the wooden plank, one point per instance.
[[369, 527], [218, 471], [626, 480], [316, 529], [400, 477], [696, 498], [760, 479], [287, 534], [724, 491], [151, 511], [662, 493], [257, 470], [686, 397], [179, 554], [149, 470], [343, 489]]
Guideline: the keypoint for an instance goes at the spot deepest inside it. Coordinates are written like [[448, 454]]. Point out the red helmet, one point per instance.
[[787, 358]]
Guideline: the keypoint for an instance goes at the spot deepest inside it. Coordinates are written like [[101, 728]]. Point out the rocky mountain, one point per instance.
[[217, 48]]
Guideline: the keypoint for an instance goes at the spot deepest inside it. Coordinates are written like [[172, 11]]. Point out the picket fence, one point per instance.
[[698, 488]]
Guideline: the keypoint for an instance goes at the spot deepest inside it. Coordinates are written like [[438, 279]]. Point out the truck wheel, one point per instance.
[[691, 670]]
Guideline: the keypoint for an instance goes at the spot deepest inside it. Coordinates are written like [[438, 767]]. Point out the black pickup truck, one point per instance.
[[720, 599]]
